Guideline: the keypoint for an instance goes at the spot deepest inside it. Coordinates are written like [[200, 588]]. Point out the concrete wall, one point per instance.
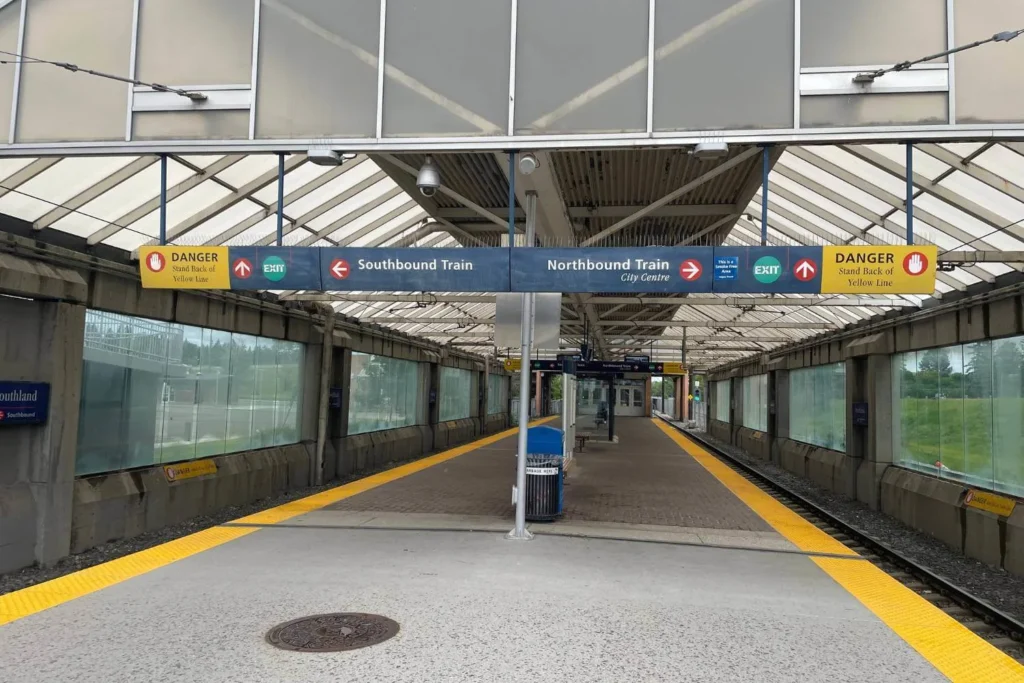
[[119, 505], [39, 342], [866, 471], [45, 513]]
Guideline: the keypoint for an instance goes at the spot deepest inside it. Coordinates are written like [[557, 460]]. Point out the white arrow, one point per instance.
[[340, 270], [691, 271], [805, 269], [242, 269]]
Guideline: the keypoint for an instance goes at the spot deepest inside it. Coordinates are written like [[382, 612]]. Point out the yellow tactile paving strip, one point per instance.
[[29, 601], [950, 647]]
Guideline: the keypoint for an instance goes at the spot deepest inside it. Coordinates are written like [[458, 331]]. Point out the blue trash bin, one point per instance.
[[544, 473]]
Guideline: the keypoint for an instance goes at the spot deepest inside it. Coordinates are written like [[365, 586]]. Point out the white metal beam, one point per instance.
[[718, 170], [16, 180], [93, 191], [240, 195], [389, 320], [173, 192]]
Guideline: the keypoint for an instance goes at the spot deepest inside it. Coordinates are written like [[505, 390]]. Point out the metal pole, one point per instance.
[[611, 408], [910, 193], [511, 199], [280, 199], [519, 532], [765, 170], [163, 199]]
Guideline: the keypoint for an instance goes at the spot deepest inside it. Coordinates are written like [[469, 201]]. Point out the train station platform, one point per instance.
[[668, 566]]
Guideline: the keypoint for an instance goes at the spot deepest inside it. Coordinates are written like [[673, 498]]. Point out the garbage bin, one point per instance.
[[544, 473]]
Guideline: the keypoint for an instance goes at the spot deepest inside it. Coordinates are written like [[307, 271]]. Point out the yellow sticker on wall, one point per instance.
[[990, 502], [189, 470]]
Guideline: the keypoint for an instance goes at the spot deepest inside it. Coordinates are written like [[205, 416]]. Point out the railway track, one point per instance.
[[1000, 629]]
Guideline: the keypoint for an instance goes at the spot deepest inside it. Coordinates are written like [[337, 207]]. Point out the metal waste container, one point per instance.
[[544, 473]]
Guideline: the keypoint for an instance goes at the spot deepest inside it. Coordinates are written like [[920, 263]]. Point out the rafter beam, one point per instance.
[[95, 190], [173, 192], [16, 180], [718, 170], [390, 320]]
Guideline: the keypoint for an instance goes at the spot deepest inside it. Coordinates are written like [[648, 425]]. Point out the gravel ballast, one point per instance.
[[999, 588]]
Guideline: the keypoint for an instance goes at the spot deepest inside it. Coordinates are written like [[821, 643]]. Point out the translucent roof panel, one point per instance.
[[969, 196]]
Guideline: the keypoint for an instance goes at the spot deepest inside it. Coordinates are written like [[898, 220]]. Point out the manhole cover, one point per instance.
[[332, 632]]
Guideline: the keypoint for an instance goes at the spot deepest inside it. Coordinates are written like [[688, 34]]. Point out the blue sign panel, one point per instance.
[[860, 414], [619, 269], [334, 397], [24, 403], [483, 269], [772, 270], [726, 267], [274, 268]]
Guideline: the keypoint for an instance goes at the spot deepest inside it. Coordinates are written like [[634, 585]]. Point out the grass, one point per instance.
[[981, 438]]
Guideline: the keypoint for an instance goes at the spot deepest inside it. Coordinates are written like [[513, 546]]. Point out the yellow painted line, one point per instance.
[[43, 596], [947, 644]]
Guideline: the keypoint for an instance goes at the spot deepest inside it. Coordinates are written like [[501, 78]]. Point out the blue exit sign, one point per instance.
[[24, 403]]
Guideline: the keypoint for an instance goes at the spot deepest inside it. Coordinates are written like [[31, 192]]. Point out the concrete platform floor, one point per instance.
[[706, 590], [642, 479], [472, 607]]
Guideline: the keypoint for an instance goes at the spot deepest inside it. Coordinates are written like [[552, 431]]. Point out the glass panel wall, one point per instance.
[[755, 403], [383, 393], [456, 387], [723, 396], [497, 394], [959, 412], [156, 392], [817, 406]]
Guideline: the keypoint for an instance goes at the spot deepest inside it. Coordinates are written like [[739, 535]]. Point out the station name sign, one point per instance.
[[24, 403], [629, 270]]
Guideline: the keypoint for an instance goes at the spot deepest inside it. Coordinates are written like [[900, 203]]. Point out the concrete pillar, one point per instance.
[[40, 342], [433, 392], [882, 430], [648, 396], [683, 397], [538, 394]]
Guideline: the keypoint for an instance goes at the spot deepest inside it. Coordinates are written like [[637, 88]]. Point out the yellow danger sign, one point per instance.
[[990, 502], [188, 470], [513, 364], [184, 267], [673, 369], [878, 270]]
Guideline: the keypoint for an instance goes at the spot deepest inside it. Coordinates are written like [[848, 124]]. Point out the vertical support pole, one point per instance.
[[910, 193], [280, 199], [766, 167], [519, 532], [511, 199], [163, 199], [683, 358], [611, 408]]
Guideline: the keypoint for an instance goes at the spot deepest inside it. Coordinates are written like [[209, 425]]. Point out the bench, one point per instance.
[[581, 440]]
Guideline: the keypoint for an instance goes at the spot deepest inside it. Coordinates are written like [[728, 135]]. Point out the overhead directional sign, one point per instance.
[[275, 268], [414, 270], [789, 270], [627, 270], [184, 267], [879, 270], [640, 269]]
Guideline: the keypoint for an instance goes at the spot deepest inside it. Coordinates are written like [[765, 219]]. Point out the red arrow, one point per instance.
[[339, 269], [242, 268], [805, 269], [690, 269]]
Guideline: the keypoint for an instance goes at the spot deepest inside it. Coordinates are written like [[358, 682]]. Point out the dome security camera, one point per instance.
[[429, 178]]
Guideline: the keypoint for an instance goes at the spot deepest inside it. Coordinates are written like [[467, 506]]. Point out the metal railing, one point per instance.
[[134, 337]]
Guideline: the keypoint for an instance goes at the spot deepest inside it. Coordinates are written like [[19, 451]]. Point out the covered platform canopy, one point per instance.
[[969, 200]]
